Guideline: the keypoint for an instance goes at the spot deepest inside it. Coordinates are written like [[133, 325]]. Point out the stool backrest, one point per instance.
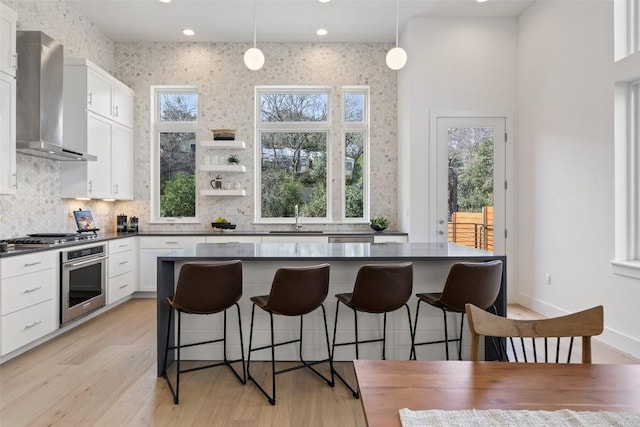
[[208, 288], [476, 283], [382, 288], [298, 290]]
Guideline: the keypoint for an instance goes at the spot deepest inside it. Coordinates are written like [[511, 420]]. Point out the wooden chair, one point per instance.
[[584, 324]]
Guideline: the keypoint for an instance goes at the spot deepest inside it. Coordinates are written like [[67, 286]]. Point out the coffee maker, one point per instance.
[[121, 223]]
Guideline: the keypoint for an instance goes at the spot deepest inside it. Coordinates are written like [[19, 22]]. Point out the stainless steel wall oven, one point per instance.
[[82, 282]]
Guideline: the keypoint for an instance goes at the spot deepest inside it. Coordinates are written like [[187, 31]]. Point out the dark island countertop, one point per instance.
[[328, 251]]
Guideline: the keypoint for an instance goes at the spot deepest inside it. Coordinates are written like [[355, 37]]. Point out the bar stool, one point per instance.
[[295, 291], [467, 283], [205, 289], [380, 289]]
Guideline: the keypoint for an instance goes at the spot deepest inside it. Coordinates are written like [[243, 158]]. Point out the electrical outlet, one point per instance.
[[547, 279]]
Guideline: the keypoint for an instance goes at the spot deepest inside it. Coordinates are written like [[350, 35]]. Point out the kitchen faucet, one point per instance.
[[298, 223]]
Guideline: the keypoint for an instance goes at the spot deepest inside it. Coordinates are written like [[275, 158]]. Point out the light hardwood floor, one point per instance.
[[103, 373]]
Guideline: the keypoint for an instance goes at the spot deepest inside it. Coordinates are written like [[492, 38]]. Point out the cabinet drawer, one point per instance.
[[24, 326], [121, 245], [233, 239], [170, 242], [121, 286], [27, 290], [120, 263], [24, 264]]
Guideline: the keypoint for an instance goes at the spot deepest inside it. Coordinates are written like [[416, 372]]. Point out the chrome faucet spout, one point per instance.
[[298, 224]]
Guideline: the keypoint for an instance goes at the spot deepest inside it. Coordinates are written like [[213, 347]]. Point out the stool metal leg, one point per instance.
[[446, 334], [174, 393], [304, 364]]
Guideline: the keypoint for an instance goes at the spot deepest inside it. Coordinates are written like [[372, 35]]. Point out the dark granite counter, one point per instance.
[[328, 252]]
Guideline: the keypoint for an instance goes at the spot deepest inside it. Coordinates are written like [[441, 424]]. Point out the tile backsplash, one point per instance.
[[226, 94]]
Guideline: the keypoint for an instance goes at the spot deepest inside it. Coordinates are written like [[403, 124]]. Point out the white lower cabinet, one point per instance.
[[390, 239], [29, 293], [230, 238], [151, 248], [122, 268]]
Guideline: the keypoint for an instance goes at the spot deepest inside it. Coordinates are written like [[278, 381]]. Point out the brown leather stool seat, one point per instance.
[[467, 283], [381, 289], [205, 289], [295, 291]]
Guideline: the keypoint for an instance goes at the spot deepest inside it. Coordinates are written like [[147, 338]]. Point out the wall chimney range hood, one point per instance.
[[39, 98]]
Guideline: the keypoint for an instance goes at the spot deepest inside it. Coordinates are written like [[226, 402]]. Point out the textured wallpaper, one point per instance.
[[226, 100], [37, 206], [226, 89]]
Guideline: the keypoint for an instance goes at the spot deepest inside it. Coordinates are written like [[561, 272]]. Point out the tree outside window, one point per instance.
[[177, 116], [293, 153]]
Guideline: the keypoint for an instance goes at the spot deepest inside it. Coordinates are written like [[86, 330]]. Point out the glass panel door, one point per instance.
[[471, 182]]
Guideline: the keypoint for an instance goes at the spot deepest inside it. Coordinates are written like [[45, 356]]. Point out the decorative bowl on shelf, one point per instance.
[[377, 227], [223, 225]]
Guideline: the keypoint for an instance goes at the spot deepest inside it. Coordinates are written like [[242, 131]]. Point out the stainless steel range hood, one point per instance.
[[39, 98]]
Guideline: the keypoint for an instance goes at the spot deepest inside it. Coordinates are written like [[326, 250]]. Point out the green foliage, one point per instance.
[[354, 190], [380, 221], [178, 198], [475, 185]]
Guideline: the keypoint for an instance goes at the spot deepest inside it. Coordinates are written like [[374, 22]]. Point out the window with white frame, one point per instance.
[[296, 137], [627, 178], [356, 153], [174, 124], [626, 28], [292, 128]]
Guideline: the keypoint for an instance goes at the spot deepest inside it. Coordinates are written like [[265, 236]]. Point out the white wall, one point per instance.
[[455, 64], [565, 167]]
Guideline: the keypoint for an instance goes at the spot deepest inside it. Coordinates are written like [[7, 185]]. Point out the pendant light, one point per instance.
[[253, 57], [396, 57]]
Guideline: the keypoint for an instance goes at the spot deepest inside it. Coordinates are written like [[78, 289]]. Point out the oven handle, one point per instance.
[[91, 261]]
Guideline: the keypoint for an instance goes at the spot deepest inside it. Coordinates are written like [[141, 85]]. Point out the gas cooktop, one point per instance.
[[43, 240]]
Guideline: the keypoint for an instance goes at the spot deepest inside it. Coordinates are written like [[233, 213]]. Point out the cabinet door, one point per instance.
[[149, 268], [122, 106], [122, 162], [98, 94], [7, 134], [7, 40], [99, 144]]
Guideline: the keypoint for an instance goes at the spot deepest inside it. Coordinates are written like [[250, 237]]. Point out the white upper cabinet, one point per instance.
[[103, 93], [8, 59], [98, 93], [7, 100], [98, 119]]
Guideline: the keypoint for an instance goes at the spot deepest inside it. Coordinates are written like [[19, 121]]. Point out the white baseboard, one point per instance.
[[618, 341]]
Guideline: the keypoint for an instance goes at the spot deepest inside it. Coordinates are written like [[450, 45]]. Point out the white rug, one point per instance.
[[496, 417]]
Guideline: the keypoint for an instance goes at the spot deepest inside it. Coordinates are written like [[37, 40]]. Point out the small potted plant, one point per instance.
[[233, 159], [379, 223]]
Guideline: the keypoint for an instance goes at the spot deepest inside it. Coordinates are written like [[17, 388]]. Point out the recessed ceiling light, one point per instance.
[[481, 1], [188, 32], [164, 1], [322, 32], [324, 1]]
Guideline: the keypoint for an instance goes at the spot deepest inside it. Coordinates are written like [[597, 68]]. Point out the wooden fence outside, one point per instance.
[[474, 229]]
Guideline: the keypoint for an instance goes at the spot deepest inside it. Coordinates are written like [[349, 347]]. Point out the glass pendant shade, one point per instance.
[[396, 58], [254, 59]]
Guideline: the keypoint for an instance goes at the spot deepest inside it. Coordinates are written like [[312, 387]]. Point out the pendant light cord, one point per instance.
[[254, 23], [397, 7]]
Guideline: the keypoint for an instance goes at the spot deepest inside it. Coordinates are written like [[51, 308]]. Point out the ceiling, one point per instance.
[[276, 20]]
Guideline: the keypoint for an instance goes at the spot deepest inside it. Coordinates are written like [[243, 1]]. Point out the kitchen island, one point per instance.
[[260, 261]]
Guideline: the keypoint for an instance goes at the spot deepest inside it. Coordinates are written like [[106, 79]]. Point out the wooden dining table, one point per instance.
[[386, 386]]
